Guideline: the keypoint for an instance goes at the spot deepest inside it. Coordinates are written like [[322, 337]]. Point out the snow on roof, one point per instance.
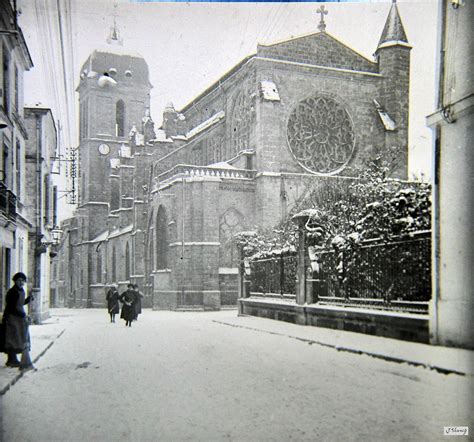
[[386, 119], [114, 163], [269, 91], [102, 237], [206, 124], [125, 151], [119, 232], [307, 212], [161, 136], [37, 106], [394, 43], [117, 50]]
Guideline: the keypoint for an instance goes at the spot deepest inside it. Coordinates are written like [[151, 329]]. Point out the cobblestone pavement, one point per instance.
[[197, 376]]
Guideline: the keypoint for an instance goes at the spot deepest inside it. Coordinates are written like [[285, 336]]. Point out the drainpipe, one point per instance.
[[183, 196]]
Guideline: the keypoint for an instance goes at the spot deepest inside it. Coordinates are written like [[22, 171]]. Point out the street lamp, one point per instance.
[[56, 234]]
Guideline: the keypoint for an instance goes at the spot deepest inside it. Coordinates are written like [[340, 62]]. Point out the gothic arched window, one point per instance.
[[127, 262], [99, 266], [161, 236], [240, 125], [120, 118], [231, 222]]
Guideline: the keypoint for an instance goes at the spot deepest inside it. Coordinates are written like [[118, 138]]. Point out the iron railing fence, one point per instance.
[[393, 275], [390, 275], [274, 275]]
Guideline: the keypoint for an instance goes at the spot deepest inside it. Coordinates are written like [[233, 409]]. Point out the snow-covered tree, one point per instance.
[[347, 211]]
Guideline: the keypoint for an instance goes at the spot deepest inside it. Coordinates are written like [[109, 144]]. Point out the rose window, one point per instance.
[[321, 135]]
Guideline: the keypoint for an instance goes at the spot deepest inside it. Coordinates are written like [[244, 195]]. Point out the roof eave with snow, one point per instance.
[[395, 43]]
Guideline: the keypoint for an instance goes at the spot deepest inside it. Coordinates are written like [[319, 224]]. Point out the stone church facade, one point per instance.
[[160, 207]]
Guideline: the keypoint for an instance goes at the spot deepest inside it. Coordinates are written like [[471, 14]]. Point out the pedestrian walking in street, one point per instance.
[[113, 305], [128, 308], [16, 322], [138, 300]]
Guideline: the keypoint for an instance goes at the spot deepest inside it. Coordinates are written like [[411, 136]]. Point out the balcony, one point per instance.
[[188, 171], [7, 202]]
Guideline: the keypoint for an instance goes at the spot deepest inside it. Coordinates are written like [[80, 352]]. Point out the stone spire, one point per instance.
[[393, 30]]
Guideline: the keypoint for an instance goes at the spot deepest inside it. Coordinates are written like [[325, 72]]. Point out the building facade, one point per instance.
[[41, 204], [452, 306], [14, 222], [161, 208]]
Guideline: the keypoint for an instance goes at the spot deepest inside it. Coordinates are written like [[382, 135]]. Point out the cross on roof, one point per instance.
[[323, 12]]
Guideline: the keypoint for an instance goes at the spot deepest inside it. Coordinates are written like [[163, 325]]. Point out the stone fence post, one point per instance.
[[300, 220], [243, 282]]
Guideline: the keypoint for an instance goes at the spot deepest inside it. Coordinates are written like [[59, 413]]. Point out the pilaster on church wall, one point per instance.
[[138, 247], [95, 221]]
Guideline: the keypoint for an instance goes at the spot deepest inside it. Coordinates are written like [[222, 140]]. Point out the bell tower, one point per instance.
[[114, 93]]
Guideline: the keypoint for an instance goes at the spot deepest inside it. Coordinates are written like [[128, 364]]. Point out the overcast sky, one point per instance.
[[188, 46]]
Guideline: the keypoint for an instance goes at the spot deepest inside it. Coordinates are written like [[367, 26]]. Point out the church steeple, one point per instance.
[[393, 31], [114, 34]]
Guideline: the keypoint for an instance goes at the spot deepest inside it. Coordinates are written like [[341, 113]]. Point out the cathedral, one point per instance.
[[159, 206]]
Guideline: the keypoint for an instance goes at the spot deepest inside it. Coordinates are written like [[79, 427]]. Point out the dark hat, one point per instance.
[[18, 276], [130, 285]]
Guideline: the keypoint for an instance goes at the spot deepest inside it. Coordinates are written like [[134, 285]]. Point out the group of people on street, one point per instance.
[[15, 336], [131, 301]]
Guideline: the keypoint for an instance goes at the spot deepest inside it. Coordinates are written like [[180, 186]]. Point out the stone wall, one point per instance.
[[296, 83], [318, 49], [407, 327]]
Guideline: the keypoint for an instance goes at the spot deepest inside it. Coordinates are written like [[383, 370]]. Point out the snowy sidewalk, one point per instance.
[[442, 359], [42, 338]]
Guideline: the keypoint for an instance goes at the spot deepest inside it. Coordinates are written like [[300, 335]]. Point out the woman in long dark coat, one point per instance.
[[138, 301], [128, 308], [17, 336], [113, 305]]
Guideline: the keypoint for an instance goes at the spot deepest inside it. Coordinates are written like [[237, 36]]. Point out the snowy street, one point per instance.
[[189, 376]]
